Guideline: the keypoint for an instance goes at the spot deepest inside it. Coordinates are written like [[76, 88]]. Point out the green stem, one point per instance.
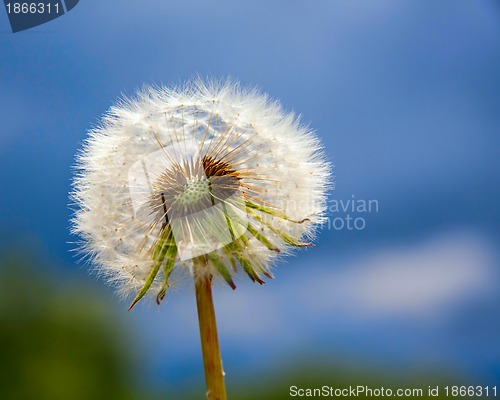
[[214, 374]]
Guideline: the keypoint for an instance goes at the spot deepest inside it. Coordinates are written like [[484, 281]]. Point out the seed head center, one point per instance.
[[194, 190]]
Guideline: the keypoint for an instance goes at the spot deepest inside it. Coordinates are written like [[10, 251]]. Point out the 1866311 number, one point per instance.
[[33, 8]]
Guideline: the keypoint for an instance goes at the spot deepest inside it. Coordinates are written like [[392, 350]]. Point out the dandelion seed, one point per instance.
[[209, 169]]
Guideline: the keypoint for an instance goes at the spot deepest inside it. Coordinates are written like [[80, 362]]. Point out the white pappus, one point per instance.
[[204, 171]]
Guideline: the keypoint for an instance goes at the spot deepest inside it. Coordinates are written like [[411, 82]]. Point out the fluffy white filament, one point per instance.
[[279, 178]]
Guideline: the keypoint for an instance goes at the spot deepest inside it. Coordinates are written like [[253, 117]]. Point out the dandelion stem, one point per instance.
[[212, 361]]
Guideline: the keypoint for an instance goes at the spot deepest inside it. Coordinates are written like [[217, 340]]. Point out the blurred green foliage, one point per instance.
[[58, 341]]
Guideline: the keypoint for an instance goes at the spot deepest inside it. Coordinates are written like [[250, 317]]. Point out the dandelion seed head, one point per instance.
[[207, 169]]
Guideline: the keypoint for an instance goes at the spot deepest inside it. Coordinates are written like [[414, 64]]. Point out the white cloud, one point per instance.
[[424, 280]]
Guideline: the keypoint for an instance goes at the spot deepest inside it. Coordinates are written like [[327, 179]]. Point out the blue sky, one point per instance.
[[405, 96]]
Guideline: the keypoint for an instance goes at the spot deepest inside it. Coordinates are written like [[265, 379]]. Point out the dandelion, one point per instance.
[[203, 180]]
